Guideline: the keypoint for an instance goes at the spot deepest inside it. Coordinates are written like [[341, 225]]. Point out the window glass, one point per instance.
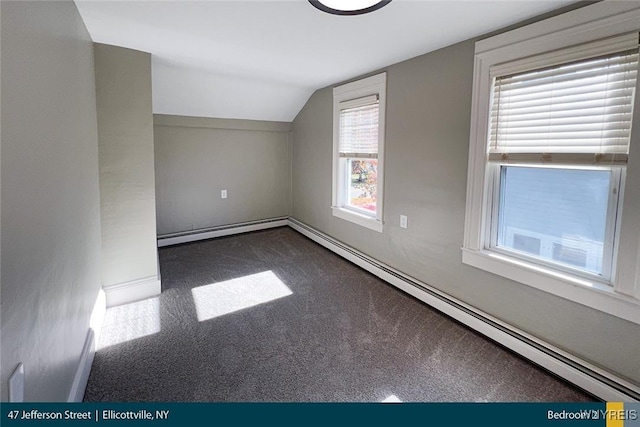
[[363, 184], [557, 215]]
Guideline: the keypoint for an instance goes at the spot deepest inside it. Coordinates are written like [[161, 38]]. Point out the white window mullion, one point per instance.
[[616, 191], [345, 183], [359, 155], [496, 180]]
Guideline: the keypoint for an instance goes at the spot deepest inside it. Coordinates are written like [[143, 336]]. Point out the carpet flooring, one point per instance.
[[271, 316]]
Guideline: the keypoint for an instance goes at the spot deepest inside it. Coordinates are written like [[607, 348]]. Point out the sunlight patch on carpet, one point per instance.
[[392, 399], [130, 321], [218, 299]]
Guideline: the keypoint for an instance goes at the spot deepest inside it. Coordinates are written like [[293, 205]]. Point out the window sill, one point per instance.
[[583, 291], [357, 218]]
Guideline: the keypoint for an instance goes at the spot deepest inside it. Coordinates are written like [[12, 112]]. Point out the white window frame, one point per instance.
[[374, 85], [600, 21]]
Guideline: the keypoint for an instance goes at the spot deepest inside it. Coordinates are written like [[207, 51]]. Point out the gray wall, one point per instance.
[[51, 208], [196, 158], [426, 149], [127, 181]]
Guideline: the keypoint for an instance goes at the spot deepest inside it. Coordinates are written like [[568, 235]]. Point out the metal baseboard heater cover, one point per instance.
[[220, 231]]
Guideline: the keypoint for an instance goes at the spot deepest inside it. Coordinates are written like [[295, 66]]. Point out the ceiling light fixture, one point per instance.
[[349, 7]]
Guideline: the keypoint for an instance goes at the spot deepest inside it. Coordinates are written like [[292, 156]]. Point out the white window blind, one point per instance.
[[578, 112], [358, 135]]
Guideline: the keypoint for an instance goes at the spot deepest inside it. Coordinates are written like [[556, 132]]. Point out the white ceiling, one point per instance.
[[263, 59]]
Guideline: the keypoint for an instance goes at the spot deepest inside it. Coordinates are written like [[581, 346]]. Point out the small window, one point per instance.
[[358, 151]]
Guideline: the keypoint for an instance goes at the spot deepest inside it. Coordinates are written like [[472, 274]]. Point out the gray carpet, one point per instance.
[[314, 328]]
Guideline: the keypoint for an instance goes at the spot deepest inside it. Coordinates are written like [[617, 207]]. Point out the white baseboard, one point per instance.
[[224, 230], [76, 394], [98, 314], [135, 290], [596, 381]]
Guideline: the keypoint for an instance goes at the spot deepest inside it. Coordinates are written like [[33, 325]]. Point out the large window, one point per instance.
[[558, 143], [550, 156], [358, 151]]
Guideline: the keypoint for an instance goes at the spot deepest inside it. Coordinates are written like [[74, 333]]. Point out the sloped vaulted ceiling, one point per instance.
[[263, 59]]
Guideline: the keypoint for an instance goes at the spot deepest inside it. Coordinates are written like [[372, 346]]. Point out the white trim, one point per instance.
[[354, 92], [223, 230], [134, 290], [16, 385], [360, 102], [76, 394], [620, 43], [596, 21], [357, 218], [360, 88], [572, 369], [605, 21], [79, 385], [581, 290], [216, 123], [628, 256], [98, 314]]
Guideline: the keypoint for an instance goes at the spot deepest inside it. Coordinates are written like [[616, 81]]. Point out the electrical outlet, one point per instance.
[[223, 194], [16, 385], [403, 221]]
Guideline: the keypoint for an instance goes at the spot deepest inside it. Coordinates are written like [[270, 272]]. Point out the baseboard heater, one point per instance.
[[223, 230], [592, 379]]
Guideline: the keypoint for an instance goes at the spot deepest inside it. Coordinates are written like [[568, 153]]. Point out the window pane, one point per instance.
[[359, 129], [558, 215], [579, 107], [363, 184]]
